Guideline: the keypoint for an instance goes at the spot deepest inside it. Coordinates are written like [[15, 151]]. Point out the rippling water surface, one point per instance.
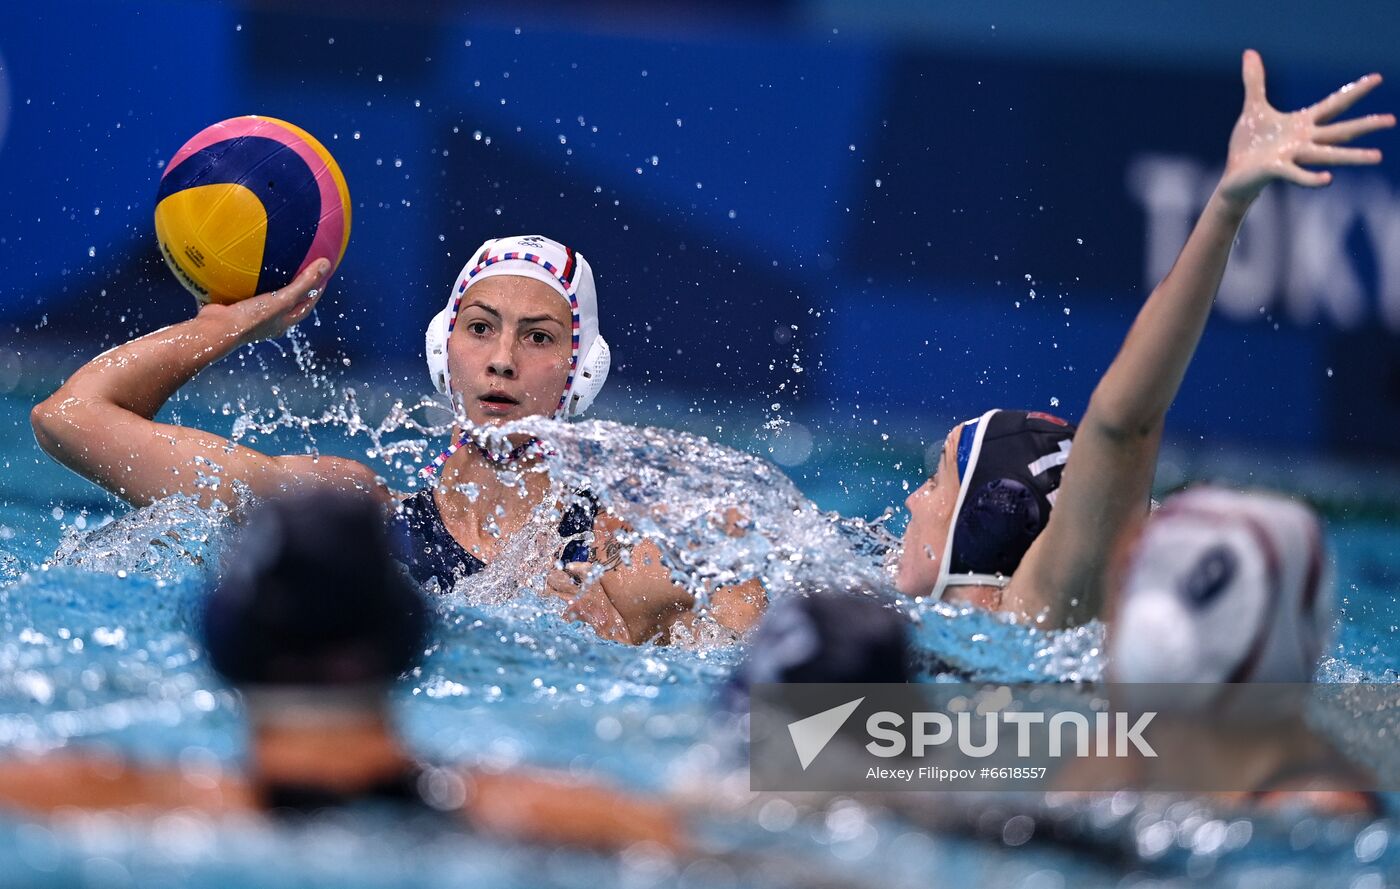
[[98, 605]]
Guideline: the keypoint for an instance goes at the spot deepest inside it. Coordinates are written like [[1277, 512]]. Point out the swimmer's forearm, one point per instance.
[[1109, 475], [553, 808], [99, 423], [140, 376], [1137, 389]]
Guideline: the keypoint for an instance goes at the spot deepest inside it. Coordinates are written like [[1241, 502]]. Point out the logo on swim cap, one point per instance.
[[1211, 574]]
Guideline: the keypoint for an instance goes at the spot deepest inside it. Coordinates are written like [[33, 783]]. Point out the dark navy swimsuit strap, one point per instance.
[[429, 548], [304, 799]]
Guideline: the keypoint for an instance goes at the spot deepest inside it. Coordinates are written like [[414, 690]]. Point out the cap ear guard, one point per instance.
[[998, 524], [588, 381], [435, 345]]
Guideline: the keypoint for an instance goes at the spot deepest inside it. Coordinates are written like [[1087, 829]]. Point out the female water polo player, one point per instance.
[[518, 338], [314, 622], [981, 529], [1225, 587]]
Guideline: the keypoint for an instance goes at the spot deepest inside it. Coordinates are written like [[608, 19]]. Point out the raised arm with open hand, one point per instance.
[[100, 422], [1269, 144], [1109, 474]]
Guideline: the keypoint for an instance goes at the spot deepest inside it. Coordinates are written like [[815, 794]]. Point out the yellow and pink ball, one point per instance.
[[246, 205]]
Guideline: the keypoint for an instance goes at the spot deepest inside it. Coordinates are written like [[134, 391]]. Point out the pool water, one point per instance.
[[98, 604]]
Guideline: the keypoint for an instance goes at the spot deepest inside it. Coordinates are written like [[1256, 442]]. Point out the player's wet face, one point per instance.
[[930, 521], [510, 349]]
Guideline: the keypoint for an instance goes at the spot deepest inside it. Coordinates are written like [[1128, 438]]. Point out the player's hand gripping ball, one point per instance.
[[246, 205]]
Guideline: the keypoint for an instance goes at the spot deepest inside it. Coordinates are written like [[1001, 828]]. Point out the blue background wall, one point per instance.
[[870, 191]]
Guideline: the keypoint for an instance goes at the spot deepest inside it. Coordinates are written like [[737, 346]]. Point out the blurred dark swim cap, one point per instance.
[[313, 595], [827, 637]]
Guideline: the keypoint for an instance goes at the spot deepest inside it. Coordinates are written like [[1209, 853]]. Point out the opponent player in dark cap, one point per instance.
[[313, 621], [1011, 519], [825, 637]]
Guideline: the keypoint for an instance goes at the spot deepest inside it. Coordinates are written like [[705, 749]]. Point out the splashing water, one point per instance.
[[719, 516], [169, 540]]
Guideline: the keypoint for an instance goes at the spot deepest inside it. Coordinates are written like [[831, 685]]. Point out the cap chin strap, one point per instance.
[[945, 578]]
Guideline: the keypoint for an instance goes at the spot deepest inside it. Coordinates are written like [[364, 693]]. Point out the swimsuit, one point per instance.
[[305, 799], [431, 551]]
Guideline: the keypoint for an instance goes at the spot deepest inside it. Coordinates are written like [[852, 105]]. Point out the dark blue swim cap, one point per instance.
[[1009, 468], [312, 595], [829, 637]]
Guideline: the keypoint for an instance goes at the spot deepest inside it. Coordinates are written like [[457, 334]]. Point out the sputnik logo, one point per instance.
[[811, 735]]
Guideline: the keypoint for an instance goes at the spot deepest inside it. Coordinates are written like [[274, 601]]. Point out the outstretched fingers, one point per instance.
[[1253, 74], [1343, 98], [1345, 131], [1306, 178], [1334, 156], [298, 297], [306, 285]]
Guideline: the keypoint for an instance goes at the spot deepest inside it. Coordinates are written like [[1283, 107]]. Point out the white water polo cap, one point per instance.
[[550, 262], [1224, 586]]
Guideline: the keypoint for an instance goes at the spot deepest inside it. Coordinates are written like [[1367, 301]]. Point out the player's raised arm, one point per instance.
[[100, 422], [1109, 474]]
